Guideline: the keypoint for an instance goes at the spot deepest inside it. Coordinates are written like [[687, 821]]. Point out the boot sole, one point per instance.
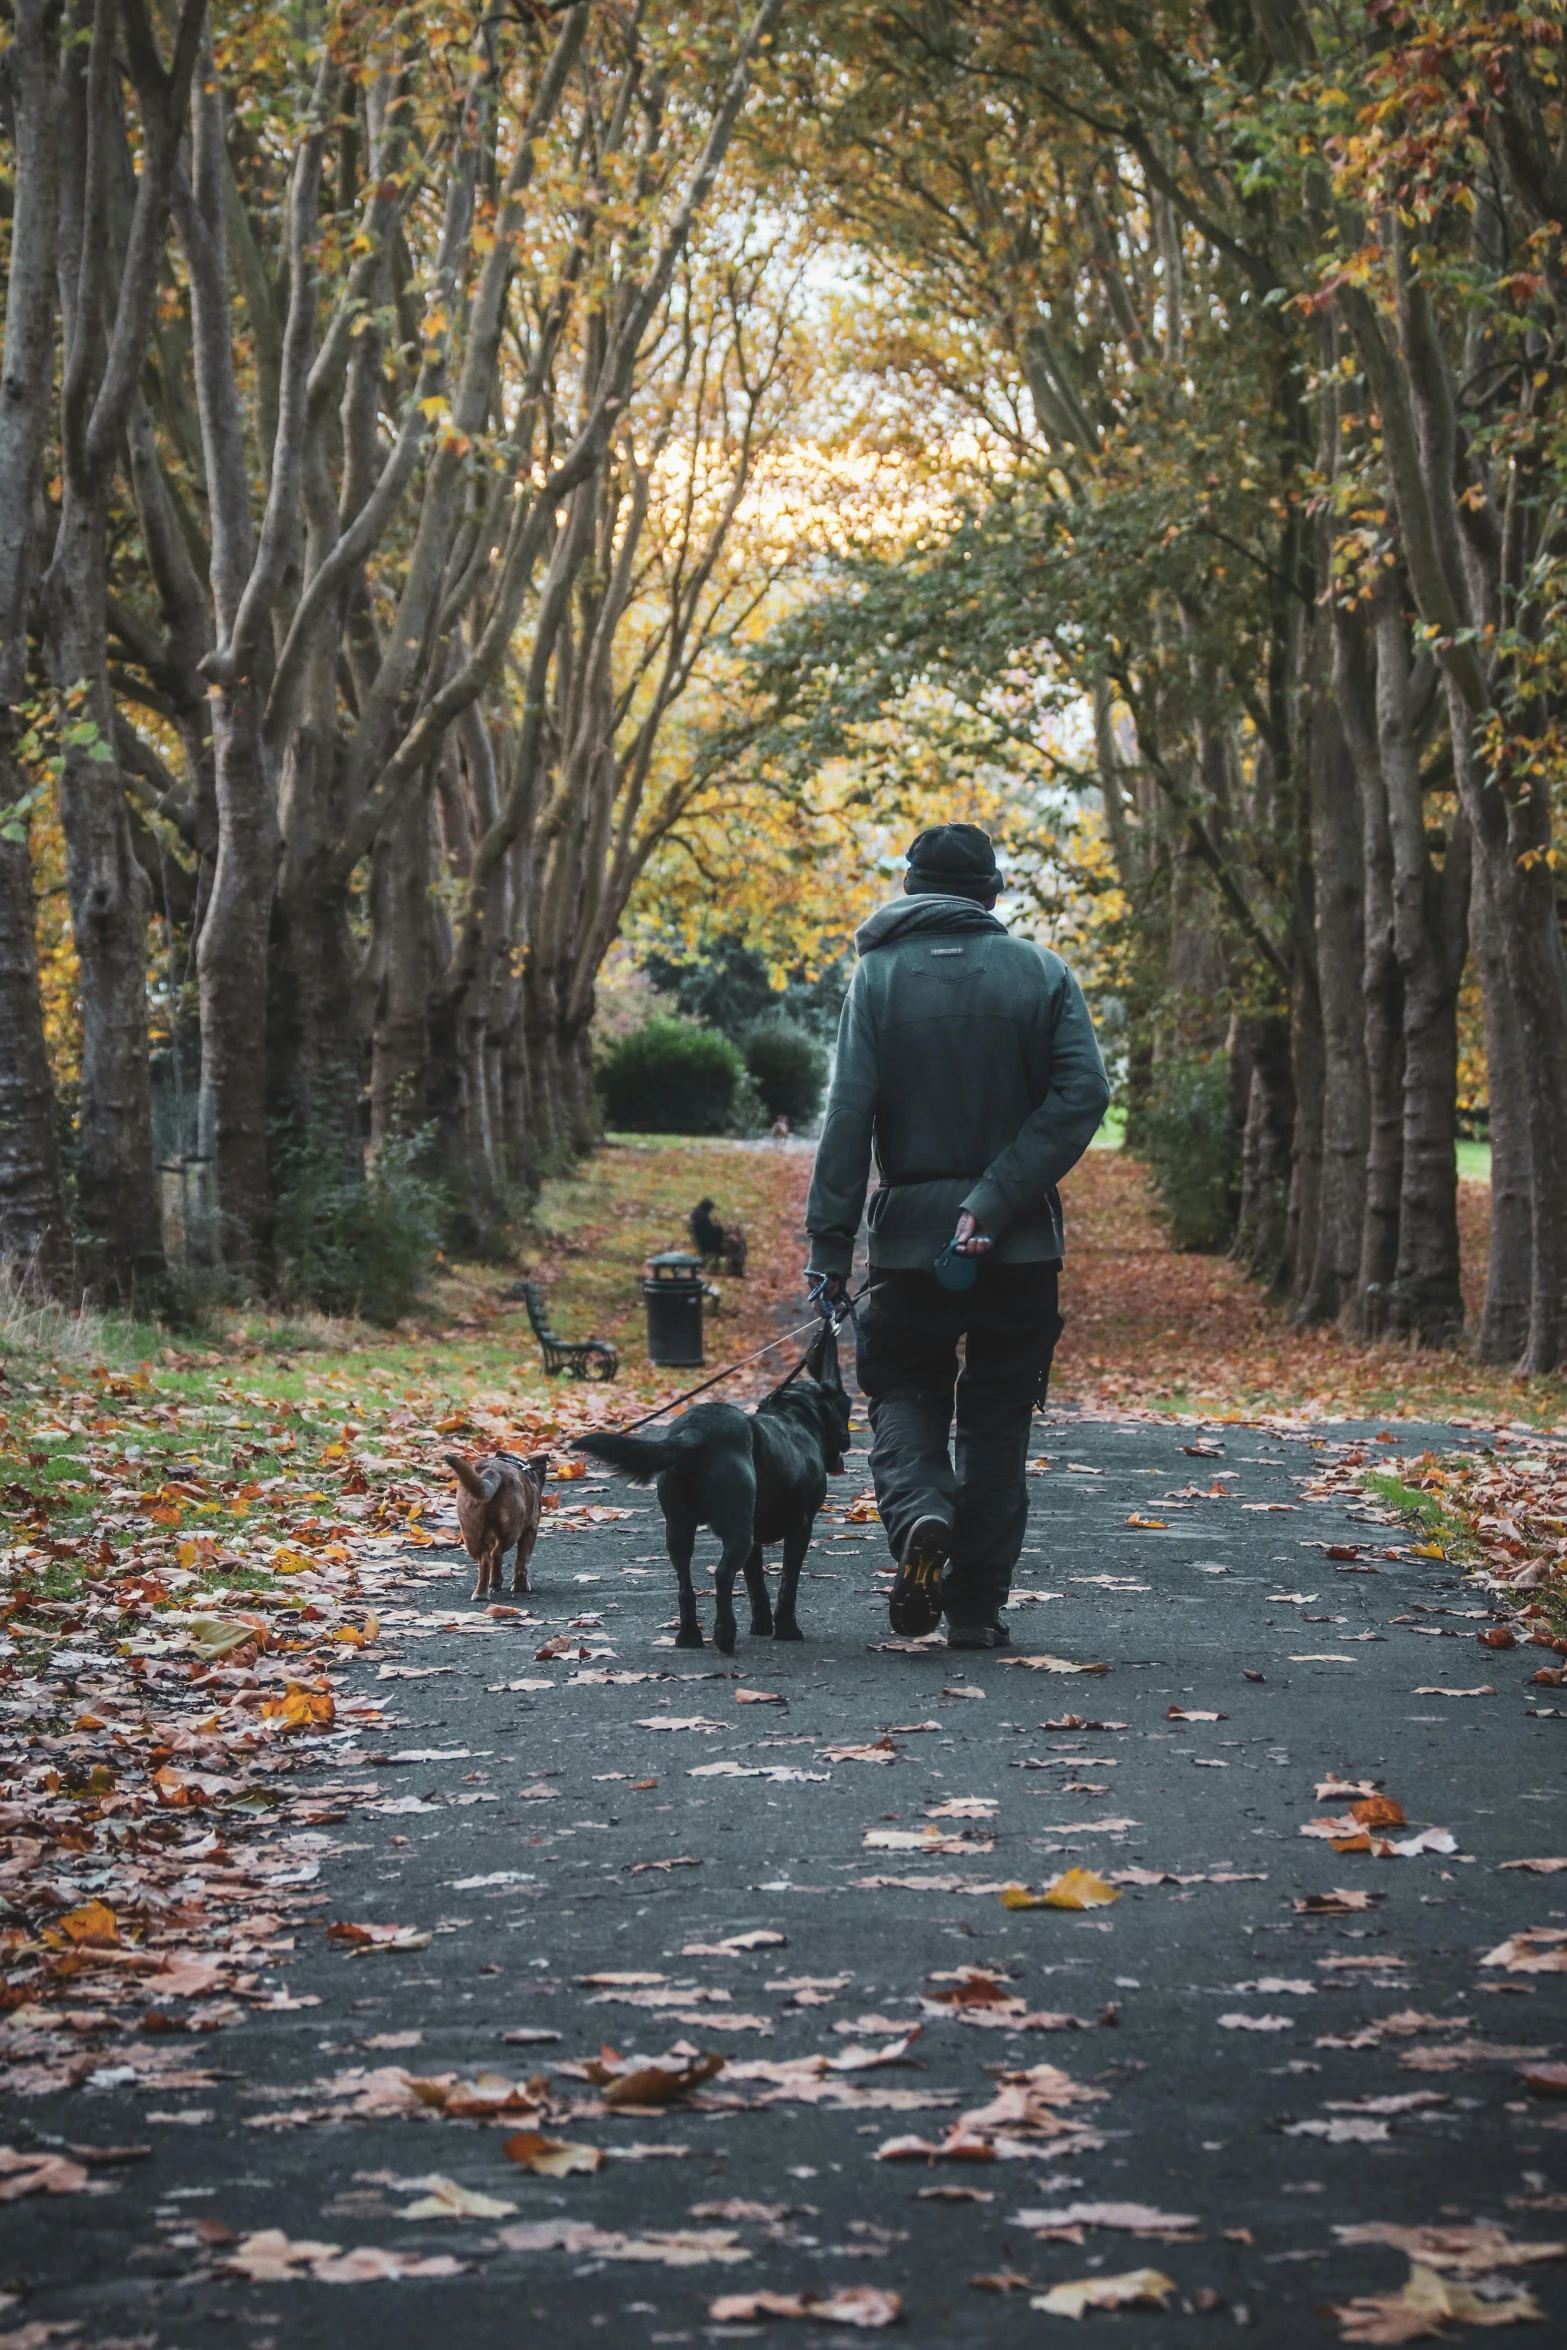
[[914, 1607]]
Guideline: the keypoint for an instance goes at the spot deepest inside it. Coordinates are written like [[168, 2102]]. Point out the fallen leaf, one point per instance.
[[1050, 1664], [1420, 2309], [622, 2084], [760, 1697], [863, 2306], [1469, 2249], [1136, 2219], [1178, 1713], [1547, 2080], [269, 2257], [1073, 1889], [1538, 1868], [957, 2147], [662, 2247], [1342, 2130], [1343, 1901], [929, 1839], [1145, 2288], [1430, 1690], [363, 1940], [367, 2264], [39, 2174], [1541, 1951], [93, 1926], [1378, 1811], [1238, 2022], [735, 1945], [447, 2200], [860, 2060]]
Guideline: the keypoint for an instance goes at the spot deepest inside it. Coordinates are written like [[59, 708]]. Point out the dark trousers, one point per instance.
[[909, 1327]]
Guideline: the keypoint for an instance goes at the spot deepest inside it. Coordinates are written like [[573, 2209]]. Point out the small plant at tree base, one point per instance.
[[671, 1078], [1184, 1132], [788, 1068], [362, 1245]]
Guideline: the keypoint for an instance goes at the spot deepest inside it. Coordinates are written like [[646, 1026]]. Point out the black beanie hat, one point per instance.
[[952, 860]]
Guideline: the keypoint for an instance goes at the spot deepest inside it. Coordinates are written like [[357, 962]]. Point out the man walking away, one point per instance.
[[967, 1062]]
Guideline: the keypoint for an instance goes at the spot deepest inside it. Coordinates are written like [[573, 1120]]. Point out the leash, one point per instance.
[[833, 1320]]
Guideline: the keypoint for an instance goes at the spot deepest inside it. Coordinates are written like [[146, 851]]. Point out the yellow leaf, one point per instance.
[[1146, 2287], [94, 1923], [1073, 1889]]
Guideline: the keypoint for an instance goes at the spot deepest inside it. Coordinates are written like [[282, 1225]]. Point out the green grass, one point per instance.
[[1474, 1162], [1427, 1513], [1112, 1134]]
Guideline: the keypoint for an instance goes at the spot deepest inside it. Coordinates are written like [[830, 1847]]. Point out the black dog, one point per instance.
[[754, 1478], [717, 1243]]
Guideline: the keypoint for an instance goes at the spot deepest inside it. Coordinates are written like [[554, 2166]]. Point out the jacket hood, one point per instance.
[[926, 912]]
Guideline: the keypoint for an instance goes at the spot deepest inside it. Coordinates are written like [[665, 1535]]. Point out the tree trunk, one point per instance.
[[1261, 1238], [315, 1052], [33, 1226], [1430, 935], [34, 1234], [119, 1222], [400, 1037], [1304, 1217], [1510, 840], [1504, 1318], [1327, 1275], [231, 970], [1382, 984]]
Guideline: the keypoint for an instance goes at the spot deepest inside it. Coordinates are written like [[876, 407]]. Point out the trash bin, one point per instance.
[[673, 1289]]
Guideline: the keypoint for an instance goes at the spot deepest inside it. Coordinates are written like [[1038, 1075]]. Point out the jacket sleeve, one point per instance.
[[1060, 1130], [843, 1156]]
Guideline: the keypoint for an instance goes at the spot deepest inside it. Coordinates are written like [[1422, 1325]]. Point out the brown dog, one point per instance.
[[499, 1503]]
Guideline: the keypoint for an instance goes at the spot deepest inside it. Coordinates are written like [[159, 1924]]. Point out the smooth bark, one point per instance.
[[33, 1228]]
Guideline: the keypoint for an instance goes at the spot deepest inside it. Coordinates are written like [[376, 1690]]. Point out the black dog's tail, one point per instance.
[[641, 1457]]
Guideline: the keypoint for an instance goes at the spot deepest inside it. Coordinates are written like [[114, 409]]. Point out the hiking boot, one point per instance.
[[978, 1636], [914, 1607]]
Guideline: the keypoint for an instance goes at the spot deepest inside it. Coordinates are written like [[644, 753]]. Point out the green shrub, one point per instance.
[[671, 1078], [789, 1069], [1185, 1134], [357, 1245]]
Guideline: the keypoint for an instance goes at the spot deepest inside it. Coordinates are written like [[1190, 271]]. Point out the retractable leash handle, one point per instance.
[[954, 1268]]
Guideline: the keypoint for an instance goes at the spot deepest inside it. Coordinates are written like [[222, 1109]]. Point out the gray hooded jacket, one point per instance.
[[967, 1062]]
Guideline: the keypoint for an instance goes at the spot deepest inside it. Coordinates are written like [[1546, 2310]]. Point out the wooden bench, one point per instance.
[[586, 1358]]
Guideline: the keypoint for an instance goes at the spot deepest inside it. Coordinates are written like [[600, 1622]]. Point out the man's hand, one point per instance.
[[828, 1289], [968, 1239]]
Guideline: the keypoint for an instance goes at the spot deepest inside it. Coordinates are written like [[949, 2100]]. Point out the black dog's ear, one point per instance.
[[538, 1467]]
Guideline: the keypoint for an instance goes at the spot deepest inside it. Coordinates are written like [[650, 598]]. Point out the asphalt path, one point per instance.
[[546, 1821]]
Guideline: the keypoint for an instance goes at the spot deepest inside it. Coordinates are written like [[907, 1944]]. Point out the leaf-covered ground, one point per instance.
[[1147, 1328], [227, 1588]]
